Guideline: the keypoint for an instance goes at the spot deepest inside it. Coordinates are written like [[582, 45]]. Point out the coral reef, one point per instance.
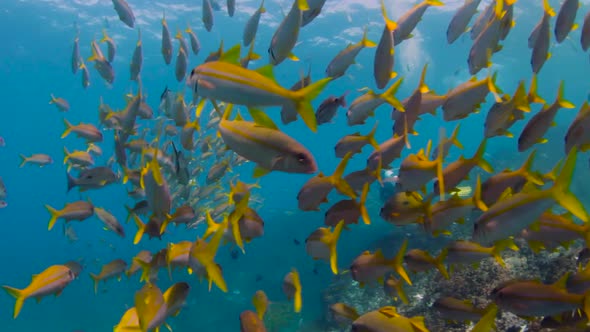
[[466, 282]]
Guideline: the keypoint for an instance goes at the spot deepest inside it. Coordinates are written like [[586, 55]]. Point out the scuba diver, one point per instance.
[[388, 186]]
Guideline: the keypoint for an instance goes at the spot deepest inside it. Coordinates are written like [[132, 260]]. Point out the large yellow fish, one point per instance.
[[225, 80], [52, 280]]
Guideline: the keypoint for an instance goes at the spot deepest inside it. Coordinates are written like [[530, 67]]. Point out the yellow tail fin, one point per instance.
[[398, 261], [302, 99], [95, 281], [54, 215], [333, 242], [337, 178], [19, 296]]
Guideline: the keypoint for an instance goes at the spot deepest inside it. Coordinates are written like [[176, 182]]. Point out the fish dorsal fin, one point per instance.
[[422, 85], [266, 71], [262, 119], [231, 56]]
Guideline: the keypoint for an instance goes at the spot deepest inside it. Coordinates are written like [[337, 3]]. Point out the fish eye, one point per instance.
[[89, 177], [406, 203], [301, 158]]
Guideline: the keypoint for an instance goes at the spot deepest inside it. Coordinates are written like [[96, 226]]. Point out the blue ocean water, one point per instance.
[[35, 62]]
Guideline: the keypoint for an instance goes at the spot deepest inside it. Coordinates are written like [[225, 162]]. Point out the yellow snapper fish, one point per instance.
[[404, 208], [76, 59], [79, 210], [565, 21], [467, 252], [404, 121], [315, 8], [467, 97], [502, 115], [387, 152], [552, 230], [408, 21], [292, 289], [487, 42], [418, 260], [110, 221], [151, 265], [129, 322], [384, 54], [355, 142], [345, 58], [533, 298], [202, 256], [85, 75], [578, 133], [349, 211], [136, 59], [102, 65], [52, 280], [370, 267], [457, 171], [151, 307], [447, 143], [156, 189], [111, 47], [113, 269], [240, 190], [36, 159], [124, 12], [343, 313], [195, 43], [461, 19], [166, 47], [144, 256], [321, 244], [182, 42], [266, 146], [227, 81], [244, 223], [538, 125], [364, 106], [181, 64], [493, 188], [450, 308], [315, 191], [541, 38], [207, 15], [260, 302], [387, 319], [126, 118], [285, 37], [483, 19], [177, 255], [393, 287], [442, 214], [83, 130], [175, 296], [79, 159], [415, 171], [251, 26], [511, 215], [61, 104]]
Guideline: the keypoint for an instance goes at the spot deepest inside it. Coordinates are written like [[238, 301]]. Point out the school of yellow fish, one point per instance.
[[512, 203]]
